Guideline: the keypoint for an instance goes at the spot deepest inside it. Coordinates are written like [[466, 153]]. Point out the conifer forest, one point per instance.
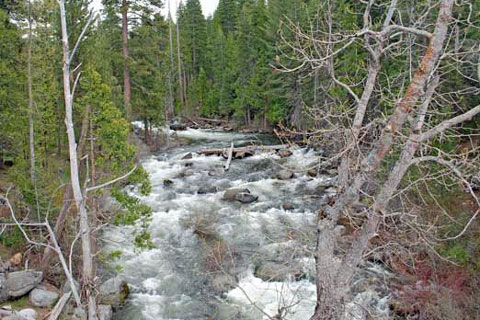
[[240, 159]]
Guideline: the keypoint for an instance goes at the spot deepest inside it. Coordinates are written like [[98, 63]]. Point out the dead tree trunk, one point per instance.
[[87, 257], [334, 278]]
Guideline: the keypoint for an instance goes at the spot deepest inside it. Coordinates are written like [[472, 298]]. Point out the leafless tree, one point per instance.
[[369, 137], [87, 258]]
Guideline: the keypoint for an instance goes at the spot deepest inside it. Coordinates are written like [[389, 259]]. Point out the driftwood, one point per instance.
[[229, 160], [242, 152]]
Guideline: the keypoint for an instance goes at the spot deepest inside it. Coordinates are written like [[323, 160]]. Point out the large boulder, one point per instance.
[[105, 312], [114, 292], [43, 298], [17, 284]]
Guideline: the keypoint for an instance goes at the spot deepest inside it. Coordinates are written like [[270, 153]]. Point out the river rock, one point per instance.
[[312, 173], [245, 197], [105, 312], [18, 284], [114, 292], [207, 189], [287, 206], [25, 314], [284, 174], [187, 173], [283, 153], [231, 194], [215, 172], [242, 195], [167, 182], [6, 267], [16, 259], [188, 156], [40, 297]]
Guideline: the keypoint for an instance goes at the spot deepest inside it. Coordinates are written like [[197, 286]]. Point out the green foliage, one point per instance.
[[133, 210], [143, 240], [12, 237], [111, 129], [458, 252], [141, 178]]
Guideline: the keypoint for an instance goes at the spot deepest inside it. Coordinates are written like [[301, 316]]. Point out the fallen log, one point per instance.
[[243, 151], [59, 306]]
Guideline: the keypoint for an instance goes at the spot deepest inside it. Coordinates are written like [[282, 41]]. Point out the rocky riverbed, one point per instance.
[[234, 244]]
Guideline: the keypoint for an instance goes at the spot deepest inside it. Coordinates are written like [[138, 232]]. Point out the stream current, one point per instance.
[[222, 260]]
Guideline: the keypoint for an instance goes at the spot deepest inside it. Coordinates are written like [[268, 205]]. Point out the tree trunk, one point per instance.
[[126, 71], [333, 278], [30, 98], [74, 174], [171, 110], [179, 57]]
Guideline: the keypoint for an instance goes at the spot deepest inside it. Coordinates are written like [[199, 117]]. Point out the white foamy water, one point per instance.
[[231, 272]]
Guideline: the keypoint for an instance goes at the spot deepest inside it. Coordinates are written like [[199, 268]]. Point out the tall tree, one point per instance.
[[126, 71]]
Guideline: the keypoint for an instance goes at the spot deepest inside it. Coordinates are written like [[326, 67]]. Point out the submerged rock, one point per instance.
[[167, 182], [114, 292], [18, 284], [207, 189], [40, 297], [188, 156], [284, 175]]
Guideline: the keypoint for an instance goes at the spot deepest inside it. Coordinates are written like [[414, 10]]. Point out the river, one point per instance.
[[215, 259]]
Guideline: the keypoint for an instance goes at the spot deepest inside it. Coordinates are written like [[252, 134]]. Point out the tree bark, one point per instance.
[[171, 110], [125, 54], [333, 278], [30, 98], [179, 57], [74, 174]]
